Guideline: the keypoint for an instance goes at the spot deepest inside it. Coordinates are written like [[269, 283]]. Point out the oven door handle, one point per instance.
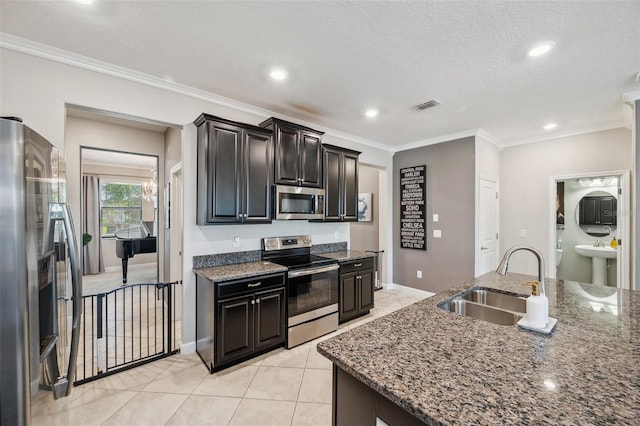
[[311, 271]]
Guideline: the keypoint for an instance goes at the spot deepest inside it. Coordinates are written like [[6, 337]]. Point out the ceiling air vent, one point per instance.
[[429, 104]]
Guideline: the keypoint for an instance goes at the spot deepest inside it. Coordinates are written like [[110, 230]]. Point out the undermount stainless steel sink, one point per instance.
[[487, 305], [509, 302]]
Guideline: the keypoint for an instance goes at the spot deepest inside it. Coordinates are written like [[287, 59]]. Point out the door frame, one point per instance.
[[623, 231], [176, 229], [476, 250]]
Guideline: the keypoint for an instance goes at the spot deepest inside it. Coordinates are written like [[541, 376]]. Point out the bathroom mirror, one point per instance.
[[596, 213]]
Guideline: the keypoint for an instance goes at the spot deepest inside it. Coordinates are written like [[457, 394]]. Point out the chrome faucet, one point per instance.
[[597, 243], [605, 228], [504, 264]]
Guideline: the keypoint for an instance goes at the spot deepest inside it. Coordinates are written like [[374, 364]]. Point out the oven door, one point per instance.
[[313, 293]]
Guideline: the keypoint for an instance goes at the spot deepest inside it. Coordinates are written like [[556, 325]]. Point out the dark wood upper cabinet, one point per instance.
[[235, 172], [598, 210], [297, 153], [340, 184]]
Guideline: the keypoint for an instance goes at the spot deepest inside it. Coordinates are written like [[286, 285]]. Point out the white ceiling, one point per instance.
[[344, 57]]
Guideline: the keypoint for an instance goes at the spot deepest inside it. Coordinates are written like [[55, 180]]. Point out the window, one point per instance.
[[120, 206]]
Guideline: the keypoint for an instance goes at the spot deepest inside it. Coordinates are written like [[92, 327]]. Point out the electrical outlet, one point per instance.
[[523, 233], [437, 233], [236, 241], [435, 217], [419, 274], [336, 235]]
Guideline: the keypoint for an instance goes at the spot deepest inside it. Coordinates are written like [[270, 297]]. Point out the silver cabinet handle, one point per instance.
[[484, 248], [311, 271], [258, 284], [253, 302], [257, 300], [357, 264]]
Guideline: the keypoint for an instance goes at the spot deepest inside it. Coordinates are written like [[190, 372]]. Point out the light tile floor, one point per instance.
[[282, 387]]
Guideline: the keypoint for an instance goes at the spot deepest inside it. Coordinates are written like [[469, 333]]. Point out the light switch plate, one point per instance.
[[419, 274], [523, 233], [336, 235], [437, 233], [435, 217]]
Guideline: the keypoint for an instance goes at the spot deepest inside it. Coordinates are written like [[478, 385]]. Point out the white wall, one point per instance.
[[38, 89], [525, 174]]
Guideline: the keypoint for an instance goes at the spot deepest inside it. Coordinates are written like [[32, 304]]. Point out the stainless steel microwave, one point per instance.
[[296, 202]]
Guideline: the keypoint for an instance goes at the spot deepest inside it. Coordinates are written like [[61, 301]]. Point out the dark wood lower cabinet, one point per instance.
[[356, 404], [356, 289], [236, 320], [249, 324]]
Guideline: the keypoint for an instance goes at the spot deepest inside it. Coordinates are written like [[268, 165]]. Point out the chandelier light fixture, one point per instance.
[[150, 189]]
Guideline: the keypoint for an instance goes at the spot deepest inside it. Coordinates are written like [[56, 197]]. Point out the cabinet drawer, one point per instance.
[[356, 265], [228, 289]]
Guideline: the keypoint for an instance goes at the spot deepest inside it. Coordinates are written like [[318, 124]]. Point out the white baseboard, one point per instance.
[[187, 348], [130, 267]]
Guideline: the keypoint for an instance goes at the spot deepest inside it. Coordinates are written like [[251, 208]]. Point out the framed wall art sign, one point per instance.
[[413, 189]]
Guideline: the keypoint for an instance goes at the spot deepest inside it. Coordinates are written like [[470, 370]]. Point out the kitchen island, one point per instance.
[[441, 368]]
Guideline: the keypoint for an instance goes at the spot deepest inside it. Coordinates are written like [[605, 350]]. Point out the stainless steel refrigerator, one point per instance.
[[40, 280]]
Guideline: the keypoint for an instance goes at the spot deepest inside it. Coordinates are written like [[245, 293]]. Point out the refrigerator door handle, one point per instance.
[[63, 386]]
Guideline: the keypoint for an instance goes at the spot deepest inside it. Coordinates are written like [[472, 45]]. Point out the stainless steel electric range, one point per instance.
[[312, 287]]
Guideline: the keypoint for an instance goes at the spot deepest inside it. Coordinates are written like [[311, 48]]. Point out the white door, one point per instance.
[[176, 223], [488, 233]]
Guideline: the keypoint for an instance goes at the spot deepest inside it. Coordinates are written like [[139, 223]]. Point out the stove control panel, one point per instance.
[[280, 243]]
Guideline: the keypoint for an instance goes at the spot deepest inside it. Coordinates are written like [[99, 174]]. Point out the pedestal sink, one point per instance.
[[599, 256]]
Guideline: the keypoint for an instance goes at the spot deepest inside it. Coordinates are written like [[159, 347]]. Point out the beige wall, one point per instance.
[[449, 260], [172, 156], [526, 171]]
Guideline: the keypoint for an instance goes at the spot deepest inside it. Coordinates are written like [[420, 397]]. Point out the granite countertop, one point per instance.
[[239, 270], [450, 369], [347, 255]]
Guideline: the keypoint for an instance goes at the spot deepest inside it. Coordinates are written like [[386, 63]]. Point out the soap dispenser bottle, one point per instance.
[[537, 307], [614, 242]]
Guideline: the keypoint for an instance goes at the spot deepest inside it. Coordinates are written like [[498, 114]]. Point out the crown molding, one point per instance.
[[489, 138], [568, 133], [631, 96], [29, 47], [437, 139]]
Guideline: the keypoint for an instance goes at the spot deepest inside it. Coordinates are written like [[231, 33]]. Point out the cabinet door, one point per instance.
[[310, 160], [257, 177], [269, 318], [350, 187], [235, 329], [348, 297], [332, 185], [287, 159], [608, 211], [366, 291], [223, 172]]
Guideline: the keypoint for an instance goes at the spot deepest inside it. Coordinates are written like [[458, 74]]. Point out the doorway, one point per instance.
[[487, 250], [119, 216], [590, 228]]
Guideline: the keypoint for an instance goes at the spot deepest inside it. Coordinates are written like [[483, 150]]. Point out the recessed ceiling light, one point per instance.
[[84, 1], [550, 126], [278, 74], [371, 113], [541, 48]]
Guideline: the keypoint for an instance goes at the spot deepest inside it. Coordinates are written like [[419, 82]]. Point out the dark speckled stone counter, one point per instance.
[[239, 270], [347, 255], [450, 369]]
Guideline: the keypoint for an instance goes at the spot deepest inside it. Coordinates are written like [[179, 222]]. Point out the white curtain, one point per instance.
[[92, 253]]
